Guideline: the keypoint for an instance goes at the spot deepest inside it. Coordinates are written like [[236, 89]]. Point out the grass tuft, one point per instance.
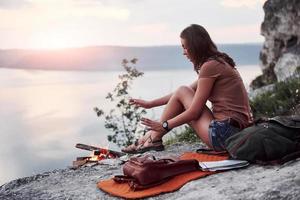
[[188, 135], [283, 99]]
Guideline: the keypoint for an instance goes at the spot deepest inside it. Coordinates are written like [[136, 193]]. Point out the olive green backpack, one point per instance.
[[274, 140]]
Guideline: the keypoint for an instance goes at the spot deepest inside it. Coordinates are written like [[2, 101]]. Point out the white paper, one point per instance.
[[222, 165]]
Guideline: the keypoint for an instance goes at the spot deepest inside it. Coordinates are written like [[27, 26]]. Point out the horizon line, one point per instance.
[[120, 46]]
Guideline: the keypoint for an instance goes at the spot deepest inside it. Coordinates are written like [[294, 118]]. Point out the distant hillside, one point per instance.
[[110, 57]]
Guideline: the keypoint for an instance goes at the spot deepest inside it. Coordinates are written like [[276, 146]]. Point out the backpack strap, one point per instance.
[[134, 185], [260, 120], [123, 179], [289, 157], [211, 152]]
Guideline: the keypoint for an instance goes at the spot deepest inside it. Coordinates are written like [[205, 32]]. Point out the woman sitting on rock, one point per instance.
[[218, 81]]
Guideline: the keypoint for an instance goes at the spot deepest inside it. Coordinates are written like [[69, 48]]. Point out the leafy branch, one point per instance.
[[124, 118]]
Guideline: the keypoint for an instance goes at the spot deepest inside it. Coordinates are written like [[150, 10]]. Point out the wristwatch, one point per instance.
[[165, 125]]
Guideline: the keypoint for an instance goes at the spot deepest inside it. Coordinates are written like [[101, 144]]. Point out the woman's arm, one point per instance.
[[161, 101], [150, 104], [158, 102], [204, 86], [209, 73]]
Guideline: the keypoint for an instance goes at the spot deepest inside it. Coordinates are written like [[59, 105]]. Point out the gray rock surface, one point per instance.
[[254, 182], [281, 29], [254, 93], [286, 66]]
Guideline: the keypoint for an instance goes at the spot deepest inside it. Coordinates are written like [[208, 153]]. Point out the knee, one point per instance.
[[182, 90]]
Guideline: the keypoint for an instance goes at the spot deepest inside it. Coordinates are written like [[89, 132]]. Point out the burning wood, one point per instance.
[[93, 148], [98, 154]]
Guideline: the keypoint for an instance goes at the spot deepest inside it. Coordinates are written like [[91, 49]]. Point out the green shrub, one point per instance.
[[123, 119], [280, 101], [187, 135], [268, 77]]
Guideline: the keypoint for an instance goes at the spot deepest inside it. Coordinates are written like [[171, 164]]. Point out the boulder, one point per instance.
[[287, 65], [253, 182], [281, 49]]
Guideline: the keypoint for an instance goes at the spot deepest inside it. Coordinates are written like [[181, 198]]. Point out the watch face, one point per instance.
[[165, 125]]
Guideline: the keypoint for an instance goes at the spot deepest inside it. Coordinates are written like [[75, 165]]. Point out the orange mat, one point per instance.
[[123, 189]]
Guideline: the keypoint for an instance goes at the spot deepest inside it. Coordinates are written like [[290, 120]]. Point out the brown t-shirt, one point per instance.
[[228, 96]]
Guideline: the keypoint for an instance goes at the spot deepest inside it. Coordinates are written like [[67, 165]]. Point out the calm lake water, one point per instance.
[[43, 114]]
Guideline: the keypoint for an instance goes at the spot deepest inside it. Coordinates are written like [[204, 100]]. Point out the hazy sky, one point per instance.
[[73, 23]]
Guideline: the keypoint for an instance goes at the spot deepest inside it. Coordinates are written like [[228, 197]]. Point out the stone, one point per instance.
[[287, 66], [254, 93], [281, 29], [253, 182]]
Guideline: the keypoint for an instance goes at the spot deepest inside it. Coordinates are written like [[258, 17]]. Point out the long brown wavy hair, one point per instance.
[[201, 47]]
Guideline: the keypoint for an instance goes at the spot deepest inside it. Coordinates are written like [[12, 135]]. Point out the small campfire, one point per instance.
[[98, 154]]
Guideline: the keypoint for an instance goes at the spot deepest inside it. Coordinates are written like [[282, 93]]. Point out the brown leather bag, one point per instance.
[[147, 171]]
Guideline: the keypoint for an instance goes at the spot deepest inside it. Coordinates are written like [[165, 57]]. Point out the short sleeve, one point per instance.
[[211, 69]]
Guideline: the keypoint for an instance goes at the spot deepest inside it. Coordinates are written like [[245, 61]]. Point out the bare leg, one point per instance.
[[180, 101]]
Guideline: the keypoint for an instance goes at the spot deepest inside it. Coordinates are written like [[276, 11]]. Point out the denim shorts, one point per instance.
[[219, 131]]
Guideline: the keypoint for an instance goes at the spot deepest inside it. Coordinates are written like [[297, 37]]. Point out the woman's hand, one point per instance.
[[140, 103], [153, 125]]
